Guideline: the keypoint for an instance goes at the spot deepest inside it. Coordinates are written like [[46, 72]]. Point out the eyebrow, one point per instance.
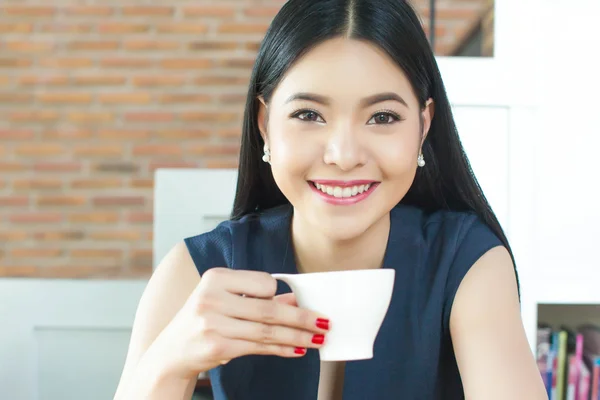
[[366, 102]]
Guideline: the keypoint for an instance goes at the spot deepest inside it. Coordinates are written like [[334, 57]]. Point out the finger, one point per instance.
[[273, 313], [264, 333], [237, 348], [288, 298], [250, 283]]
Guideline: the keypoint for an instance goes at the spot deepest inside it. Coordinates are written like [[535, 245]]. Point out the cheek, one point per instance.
[[397, 158], [292, 153]]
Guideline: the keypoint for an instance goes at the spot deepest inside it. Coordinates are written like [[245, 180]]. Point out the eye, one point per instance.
[[384, 118], [308, 116]]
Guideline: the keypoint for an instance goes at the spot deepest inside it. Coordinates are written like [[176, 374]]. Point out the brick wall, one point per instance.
[[95, 97]]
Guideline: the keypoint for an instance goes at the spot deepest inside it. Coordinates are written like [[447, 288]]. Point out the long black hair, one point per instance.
[[445, 183]]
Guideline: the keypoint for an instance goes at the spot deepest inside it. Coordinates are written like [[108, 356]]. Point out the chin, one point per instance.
[[342, 228]]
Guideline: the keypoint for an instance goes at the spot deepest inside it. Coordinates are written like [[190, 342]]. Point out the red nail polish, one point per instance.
[[299, 350], [323, 323], [318, 339]]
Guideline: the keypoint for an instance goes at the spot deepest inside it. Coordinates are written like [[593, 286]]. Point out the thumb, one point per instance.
[[288, 298]]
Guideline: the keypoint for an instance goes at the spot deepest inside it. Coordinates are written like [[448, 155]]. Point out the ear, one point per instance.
[[427, 117], [262, 118]]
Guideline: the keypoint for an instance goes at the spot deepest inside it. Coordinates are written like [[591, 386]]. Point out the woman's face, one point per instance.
[[344, 131]]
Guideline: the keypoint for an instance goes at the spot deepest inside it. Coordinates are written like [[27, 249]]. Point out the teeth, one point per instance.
[[340, 192]]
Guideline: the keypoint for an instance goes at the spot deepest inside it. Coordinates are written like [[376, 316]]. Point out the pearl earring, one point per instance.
[[267, 156], [421, 160]]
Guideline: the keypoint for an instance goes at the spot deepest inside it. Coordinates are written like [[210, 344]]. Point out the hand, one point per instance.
[[235, 313]]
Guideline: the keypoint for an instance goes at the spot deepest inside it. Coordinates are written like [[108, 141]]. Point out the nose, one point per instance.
[[344, 149]]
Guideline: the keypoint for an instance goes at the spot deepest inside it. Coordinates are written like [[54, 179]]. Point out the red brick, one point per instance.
[[65, 28], [147, 11], [116, 167], [39, 150], [232, 98], [94, 217], [59, 236], [15, 28], [243, 28], [125, 135], [90, 117], [58, 166], [181, 28], [140, 218], [66, 62], [41, 116], [118, 201], [157, 150], [36, 80], [229, 133], [215, 150], [36, 217], [66, 134], [37, 184], [149, 116], [124, 98], [14, 62], [65, 98], [217, 80], [139, 271], [109, 151], [142, 257], [101, 80], [120, 28], [158, 80], [61, 201], [92, 45], [36, 253], [211, 117], [261, 12], [11, 166], [15, 98], [116, 236], [186, 63], [4, 80], [213, 46], [150, 45], [12, 236], [252, 46], [16, 134], [121, 62], [221, 164], [89, 11], [14, 201], [28, 46], [174, 164], [96, 253], [183, 98], [209, 11], [27, 11], [96, 183], [241, 63], [182, 134], [142, 183], [79, 272], [18, 271]]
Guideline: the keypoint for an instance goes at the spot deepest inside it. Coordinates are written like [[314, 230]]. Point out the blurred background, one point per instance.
[[119, 135]]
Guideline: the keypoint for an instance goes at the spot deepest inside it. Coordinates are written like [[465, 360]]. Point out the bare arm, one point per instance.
[[168, 289], [492, 352]]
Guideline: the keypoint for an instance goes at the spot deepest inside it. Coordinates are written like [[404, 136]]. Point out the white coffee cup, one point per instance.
[[355, 302]]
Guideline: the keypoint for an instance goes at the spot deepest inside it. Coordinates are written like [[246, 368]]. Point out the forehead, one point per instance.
[[345, 69]]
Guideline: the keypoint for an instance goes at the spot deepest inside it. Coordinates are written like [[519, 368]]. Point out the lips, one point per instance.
[[343, 192]]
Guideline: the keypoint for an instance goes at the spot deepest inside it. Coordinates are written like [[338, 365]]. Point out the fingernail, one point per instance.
[[300, 350], [318, 339], [323, 323]]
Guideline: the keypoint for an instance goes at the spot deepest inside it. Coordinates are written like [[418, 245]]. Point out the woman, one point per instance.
[[349, 160]]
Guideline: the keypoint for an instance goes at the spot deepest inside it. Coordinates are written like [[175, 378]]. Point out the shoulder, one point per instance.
[[218, 247]]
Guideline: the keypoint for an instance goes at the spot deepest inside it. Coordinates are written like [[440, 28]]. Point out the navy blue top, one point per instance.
[[413, 356]]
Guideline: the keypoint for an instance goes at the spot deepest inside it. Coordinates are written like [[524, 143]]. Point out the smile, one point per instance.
[[343, 193]]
